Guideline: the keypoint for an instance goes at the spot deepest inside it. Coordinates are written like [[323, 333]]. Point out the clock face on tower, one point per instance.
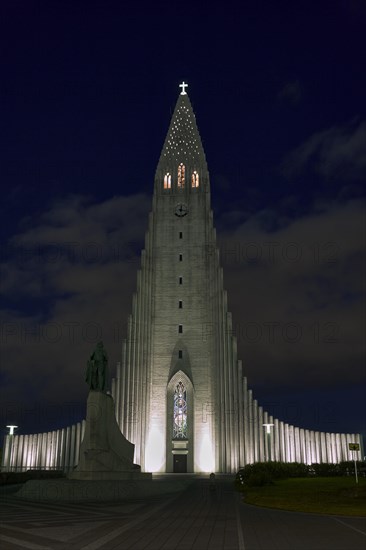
[[181, 210]]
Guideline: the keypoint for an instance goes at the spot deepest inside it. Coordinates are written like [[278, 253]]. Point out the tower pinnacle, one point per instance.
[[182, 146], [183, 86]]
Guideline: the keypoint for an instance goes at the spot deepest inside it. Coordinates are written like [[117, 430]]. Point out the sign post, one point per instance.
[[354, 447]]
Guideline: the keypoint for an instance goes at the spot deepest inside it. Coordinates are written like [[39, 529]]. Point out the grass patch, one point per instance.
[[322, 495]]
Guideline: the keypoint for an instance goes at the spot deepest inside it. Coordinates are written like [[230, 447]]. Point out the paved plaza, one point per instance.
[[197, 518]]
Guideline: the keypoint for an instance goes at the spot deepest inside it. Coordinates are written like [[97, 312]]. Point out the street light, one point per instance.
[[268, 427], [12, 427]]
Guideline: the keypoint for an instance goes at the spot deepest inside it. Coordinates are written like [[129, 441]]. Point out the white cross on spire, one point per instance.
[[183, 86]]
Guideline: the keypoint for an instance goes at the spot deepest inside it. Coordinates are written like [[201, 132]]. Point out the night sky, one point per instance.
[[278, 89]]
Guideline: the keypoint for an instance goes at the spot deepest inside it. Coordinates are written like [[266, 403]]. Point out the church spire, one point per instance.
[[182, 148]]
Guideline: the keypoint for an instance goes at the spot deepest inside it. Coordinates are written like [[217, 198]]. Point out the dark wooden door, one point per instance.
[[180, 464]]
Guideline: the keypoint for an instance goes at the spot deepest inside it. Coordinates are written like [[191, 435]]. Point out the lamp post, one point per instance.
[[11, 427], [268, 427]]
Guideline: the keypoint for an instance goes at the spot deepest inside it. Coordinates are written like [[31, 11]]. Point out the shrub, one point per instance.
[[273, 470], [258, 479]]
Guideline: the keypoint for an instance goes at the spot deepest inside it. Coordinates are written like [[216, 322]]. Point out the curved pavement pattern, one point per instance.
[[198, 518]]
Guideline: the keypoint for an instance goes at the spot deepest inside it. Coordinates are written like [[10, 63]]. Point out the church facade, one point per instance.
[[180, 392]]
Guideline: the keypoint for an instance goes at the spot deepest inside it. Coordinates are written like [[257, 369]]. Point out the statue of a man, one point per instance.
[[96, 372]]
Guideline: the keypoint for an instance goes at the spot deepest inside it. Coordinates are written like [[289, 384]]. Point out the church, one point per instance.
[[180, 393]]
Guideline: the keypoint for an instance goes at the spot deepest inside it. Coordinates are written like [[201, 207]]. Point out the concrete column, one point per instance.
[[30, 452], [67, 448], [38, 450], [241, 415], [282, 455], [24, 464], [317, 447], [328, 447], [261, 435], [250, 437], [44, 451], [338, 447], [312, 451], [134, 380], [34, 451], [54, 449], [291, 433], [57, 450], [17, 454], [149, 344], [276, 439], [77, 444], [14, 447], [6, 456], [307, 449], [62, 449], [83, 424], [246, 459], [333, 447], [255, 431], [129, 367], [123, 388], [72, 446], [297, 445], [323, 455], [264, 438], [49, 450], [138, 385], [117, 391], [287, 443]]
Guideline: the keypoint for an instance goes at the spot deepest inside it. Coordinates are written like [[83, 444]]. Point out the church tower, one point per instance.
[[175, 389]]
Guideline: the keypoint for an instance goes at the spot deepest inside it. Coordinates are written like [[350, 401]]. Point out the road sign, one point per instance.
[[354, 446]]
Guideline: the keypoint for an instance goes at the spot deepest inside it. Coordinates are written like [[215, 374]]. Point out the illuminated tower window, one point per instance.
[[167, 181], [181, 175], [180, 412], [195, 179]]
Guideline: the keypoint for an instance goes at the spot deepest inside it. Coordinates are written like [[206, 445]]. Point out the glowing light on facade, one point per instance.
[[195, 179], [206, 456], [155, 450], [167, 181], [181, 175]]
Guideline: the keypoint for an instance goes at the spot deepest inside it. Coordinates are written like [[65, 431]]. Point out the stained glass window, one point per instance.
[[180, 412], [195, 179], [181, 174], [167, 181]]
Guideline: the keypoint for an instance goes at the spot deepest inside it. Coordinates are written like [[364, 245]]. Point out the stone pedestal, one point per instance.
[[105, 454]]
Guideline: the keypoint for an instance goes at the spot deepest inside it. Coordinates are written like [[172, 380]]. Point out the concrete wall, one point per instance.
[[56, 450]]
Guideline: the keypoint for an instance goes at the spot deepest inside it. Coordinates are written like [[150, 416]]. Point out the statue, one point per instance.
[[97, 368]]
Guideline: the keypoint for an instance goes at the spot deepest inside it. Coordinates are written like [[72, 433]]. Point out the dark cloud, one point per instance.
[[80, 259], [297, 296], [295, 291], [336, 153]]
